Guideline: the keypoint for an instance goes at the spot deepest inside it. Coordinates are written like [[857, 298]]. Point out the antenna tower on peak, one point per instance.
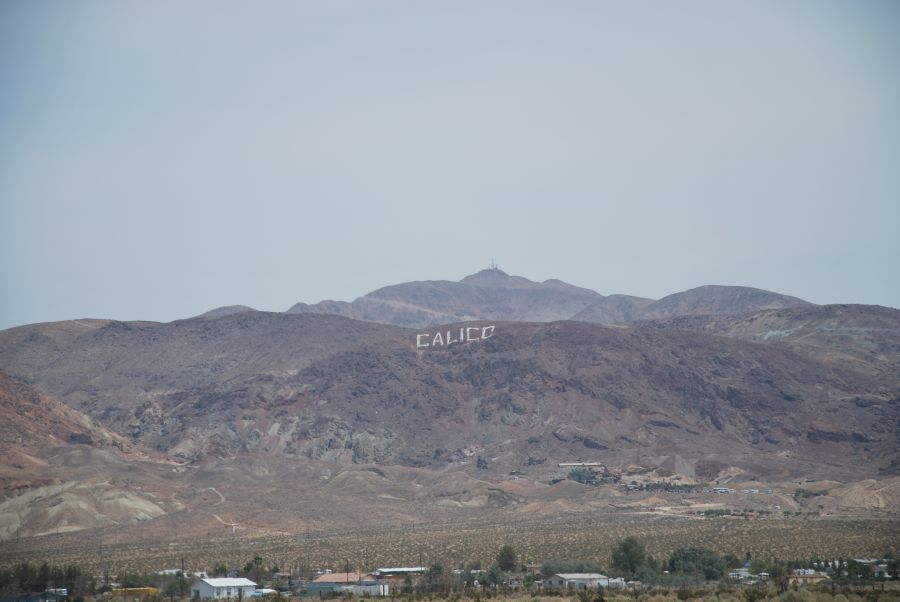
[[494, 264]]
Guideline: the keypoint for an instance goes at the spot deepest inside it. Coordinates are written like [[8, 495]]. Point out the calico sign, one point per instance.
[[466, 334]]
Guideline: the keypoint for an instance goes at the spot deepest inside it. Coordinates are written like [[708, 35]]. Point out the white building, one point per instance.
[[399, 571], [582, 581], [368, 588], [741, 574], [223, 588]]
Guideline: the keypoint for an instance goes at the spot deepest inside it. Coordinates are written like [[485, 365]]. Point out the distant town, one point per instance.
[[689, 572]]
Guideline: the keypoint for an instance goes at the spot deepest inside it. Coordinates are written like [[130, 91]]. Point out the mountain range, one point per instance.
[[492, 294], [715, 384]]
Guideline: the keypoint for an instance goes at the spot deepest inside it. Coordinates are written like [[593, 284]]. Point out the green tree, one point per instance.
[[697, 561], [172, 589], [629, 556], [732, 561], [582, 474], [254, 567], [893, 567], [506, 558], [493, 576], [43, 577], [24, 576], [439, 580]]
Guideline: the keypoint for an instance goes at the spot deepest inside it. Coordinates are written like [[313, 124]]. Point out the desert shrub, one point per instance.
[[586, 595], [659, 596], [797, 596], [752, 595]]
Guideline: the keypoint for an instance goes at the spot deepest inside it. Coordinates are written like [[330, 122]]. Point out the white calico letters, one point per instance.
[[465, 334]]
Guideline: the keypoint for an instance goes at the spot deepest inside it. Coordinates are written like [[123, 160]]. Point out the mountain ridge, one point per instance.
[[492, 294], [338, 407], [330, 388]]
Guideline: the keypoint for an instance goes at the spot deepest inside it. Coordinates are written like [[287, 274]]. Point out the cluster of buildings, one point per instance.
[[380, 582], [388, 581], [744, 575], [821, 571]]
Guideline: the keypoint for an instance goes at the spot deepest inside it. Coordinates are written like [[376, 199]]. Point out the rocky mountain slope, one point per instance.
[[58, 469], [864, 337], [108, 368], [567, 391], [34, 423], [338, 390]]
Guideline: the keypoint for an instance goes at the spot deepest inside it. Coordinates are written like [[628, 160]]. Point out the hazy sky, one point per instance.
[[158, 159]]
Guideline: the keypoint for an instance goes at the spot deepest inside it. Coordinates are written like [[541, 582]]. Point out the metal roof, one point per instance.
[[401, 569], [338, 578], [581, 576], [229, 582]]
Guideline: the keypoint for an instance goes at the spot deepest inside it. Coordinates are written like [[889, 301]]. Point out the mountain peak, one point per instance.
[[489, 275], [720, 300], [226, 310]]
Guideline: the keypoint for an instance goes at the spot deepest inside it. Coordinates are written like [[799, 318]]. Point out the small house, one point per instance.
[[358, 584], [803, 577], [235, 588], [581, 581], [398, 574]]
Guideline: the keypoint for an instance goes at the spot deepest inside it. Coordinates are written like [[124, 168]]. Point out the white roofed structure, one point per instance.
[[228, 581], [222, 588], [581, 581], [400, 570]]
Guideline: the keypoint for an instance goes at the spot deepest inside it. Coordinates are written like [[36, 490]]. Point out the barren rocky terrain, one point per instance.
[[865, 338], [255, 424], [343, 391]]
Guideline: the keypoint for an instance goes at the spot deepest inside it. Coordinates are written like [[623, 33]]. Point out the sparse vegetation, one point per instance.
[[697, 561], [458, 544], [806, 493], [32, 578]]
